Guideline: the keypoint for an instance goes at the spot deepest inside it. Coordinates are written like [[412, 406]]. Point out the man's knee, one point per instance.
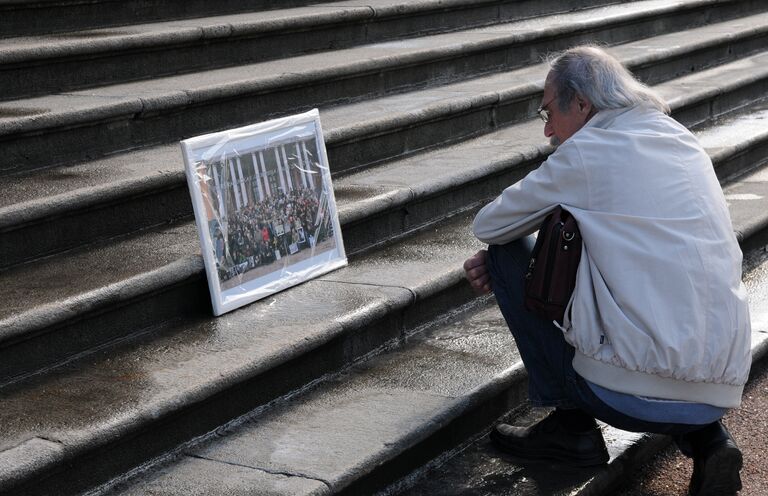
[[510, 259]]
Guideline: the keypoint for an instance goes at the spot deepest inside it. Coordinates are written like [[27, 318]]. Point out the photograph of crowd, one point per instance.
[[263, 196], [268, 231]]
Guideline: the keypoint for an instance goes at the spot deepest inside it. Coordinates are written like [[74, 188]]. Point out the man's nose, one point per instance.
[[548, 131]]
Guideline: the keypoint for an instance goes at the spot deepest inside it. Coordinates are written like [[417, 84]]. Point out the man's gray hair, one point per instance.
[[592, 73]]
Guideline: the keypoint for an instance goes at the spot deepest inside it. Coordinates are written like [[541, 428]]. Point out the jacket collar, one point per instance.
[[605, 118]]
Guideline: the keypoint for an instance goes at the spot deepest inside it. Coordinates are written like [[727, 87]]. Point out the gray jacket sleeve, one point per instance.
[[520, 208]]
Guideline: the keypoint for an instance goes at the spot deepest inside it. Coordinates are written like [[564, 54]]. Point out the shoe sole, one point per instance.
[[573, 460], [721, 473]]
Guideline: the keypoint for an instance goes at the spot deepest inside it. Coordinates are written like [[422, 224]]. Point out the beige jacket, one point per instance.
[[659, 308]]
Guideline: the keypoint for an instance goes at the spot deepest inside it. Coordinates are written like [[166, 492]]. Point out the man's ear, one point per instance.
[[583, 106]]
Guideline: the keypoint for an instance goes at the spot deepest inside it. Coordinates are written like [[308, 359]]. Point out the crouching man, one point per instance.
[[656, 337]]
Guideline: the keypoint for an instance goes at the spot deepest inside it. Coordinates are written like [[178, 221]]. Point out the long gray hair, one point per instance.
[[597, 76]]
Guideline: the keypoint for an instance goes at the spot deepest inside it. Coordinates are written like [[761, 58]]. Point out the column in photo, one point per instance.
[[287, 168], [215, 169], [233, 183], [301, 166], [280, 171], [309, 165], [265, 177], [257, 176], [246, 192]]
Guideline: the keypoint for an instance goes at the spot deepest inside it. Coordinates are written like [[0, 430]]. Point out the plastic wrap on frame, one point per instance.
[[264, 207]]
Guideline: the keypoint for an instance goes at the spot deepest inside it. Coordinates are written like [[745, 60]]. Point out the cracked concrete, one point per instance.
[[197, 476], [263, 469]]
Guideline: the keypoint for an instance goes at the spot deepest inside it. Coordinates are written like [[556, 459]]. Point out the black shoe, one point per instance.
[[548, 440], [716, 470]]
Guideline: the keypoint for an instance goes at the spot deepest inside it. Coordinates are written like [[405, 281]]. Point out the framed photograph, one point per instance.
[[264, 208]]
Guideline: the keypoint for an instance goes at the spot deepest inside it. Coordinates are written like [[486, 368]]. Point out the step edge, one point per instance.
[[33, 210], [324, 18], [56, 313], [170, 100]]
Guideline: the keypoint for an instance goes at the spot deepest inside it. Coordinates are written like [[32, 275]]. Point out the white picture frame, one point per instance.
[[247, 185]]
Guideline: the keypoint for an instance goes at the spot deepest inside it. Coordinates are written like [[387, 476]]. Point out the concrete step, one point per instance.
[[60, 62], [61, 306], [105, 413], [350, 434], [365, 430], [25, 17], [478, 468], [86, 124], [108, 355], [44, 212], [740, 137]]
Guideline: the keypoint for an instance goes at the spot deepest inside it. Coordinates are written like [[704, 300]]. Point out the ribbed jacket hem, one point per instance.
[[652, 386]]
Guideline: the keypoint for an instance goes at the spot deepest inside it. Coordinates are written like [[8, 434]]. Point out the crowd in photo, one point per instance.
[[264, 232]]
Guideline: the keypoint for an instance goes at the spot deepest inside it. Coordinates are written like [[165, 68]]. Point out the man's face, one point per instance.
[[562, 125]]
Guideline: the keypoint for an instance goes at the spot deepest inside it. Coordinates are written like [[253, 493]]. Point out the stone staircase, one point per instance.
[[114, 376]]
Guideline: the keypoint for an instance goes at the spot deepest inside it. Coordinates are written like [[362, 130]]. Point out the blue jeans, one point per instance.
[[547, 357]]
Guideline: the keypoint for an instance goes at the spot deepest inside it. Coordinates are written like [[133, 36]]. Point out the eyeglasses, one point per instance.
[[543, 112]]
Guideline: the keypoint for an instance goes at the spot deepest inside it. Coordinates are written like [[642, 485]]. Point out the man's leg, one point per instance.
[[568, 434], [717, 460], [542, 348], [553, 382]]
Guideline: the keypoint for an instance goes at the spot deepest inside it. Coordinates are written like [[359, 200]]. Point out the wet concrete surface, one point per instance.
[[482, 470], [25, 114], [455, 358], [343, 428], [66, 275], [97, 398], [196, 85], [403, 182], [422, 264], [99, 174], [53, 279], [532, 75], [712, 82], [177, 31], [449, 165], [747, 202], [94, 399], [165, 159], [674, 43], [332, 437], [202, 477], [731, 131], [127, 384]]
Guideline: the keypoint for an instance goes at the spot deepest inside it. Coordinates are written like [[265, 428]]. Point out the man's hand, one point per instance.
[[476, 270]]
